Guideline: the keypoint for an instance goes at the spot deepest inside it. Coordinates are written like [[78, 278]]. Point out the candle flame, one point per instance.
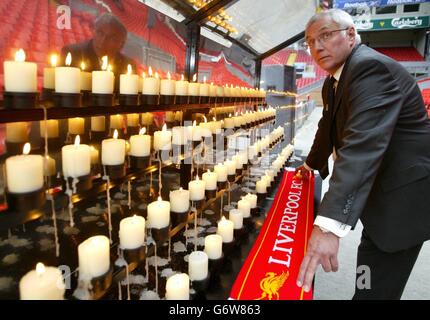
[[77, 141], [142, 131], [168, 76], [54, 60], [212, 83], [26, 149], [214, 119], [69, 59], [159, 199], [83, 66], [164, 128], [157, 76], [20, 55], [180, 189], [182, 77], [143, 75], [229, 115], [92, 148], [40, 268], [209, 171], [109, 68], [105, 63], [206, 120], [223, 219], [194, 77], [197, 178], [204, 79], [150, 71], [129, 70], [115, 134], [194, 123]]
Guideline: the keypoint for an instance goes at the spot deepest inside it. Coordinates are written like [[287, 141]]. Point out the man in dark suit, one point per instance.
[[375, 124], [108, 40]]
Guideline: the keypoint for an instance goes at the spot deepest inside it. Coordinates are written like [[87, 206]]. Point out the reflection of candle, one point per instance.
[[16, 132], [221, 171], [196, 132], [179, 136], [132, 232], [213, 246], [76, 159], [94, 259], [103, 81], [179, 200], [116, 121], [151, 85], [52, 128], [49, 74], [167, 86], [19, 75], [147, 119], [49, 167], [225, 230], [198, 265], [197, 189], [178, 287], [94, 155], [133, 120], [194, 87], [24, 173], [128, 83], [245, 207], [113, 151], [68, 79], [98, 124], [86, 78], [210, 179], [140, 144], [181, 87], [159, 214], [44, 283], [170, 116], [163, 139], [76, 125]]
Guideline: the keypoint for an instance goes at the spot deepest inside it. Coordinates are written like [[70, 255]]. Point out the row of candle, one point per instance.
[[21, 76]]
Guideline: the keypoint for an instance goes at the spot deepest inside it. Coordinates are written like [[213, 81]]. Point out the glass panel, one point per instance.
[[411, 8], [386, 10]]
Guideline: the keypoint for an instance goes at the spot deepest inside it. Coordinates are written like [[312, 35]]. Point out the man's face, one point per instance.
[[108, 40], [330, 45]]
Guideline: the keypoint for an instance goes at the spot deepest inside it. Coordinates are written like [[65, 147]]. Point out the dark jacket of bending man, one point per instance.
[[375, 124]]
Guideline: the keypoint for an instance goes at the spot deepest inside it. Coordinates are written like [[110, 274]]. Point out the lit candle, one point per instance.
[[86, 78], [197, 189], [236, 216], [178, 287], [132, 232], [163, 139], [196, 132], [212, 90], [116, 121], [179, 200], [210, 179], [133, 120], [213, 246], [261, 186], [198, 265], [231, 167], [140, 145], [24, 173], [204, 88], [229, 122], [49, 167], [221, 171], [167, 86], [76, 159], [194, 87], [68, 79], [206, 128], [181, 87], [49, 74], [225, 230], [76, 125], [94, 155], [159, 214], [252, 199], [147, 119], [98, 124], [220, 91], [16, 132], [151, 85], [128, 83], [179, 136], [103, 81], [245, 207], [94, 259], [50, 127], [113, 150], [43, 283], [19, 75]]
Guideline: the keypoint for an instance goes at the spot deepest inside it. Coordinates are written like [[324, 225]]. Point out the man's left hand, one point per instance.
[[322, 249]]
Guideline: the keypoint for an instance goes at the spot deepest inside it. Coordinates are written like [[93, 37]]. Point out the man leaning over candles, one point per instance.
[[109, 38], [375, 124]]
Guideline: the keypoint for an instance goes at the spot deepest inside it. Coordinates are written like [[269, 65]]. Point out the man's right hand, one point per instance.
[[302, 172]]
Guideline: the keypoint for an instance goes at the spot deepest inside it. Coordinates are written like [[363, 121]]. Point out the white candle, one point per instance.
[[231, 167], [76, 125], [229, 123], [163, 139], [68, 79], [52, 128], [49, 167], [24, 173], [221, 171], [76, 159], [181, 87], [19, 75], [236, 216], [238, 161], [220, 91], [113, 151], [178, 287], [225, 230], [196, 132], [151, 85], [213, 246], [261, 186], [179, 200], [197, 189], [252, 199], [94, 259], [128, 83], [210, 179], [204, 88], [49, 74], [103, 81], [94, 155], [132, 232], [159, 214], [43, 283], [212, 90], [179, 136], [194, 87], [132, 120], [116, 122], [98, 124], [198, 265], [16, 132], [167, 86], [140, 145], [245, 207], [86, 78]]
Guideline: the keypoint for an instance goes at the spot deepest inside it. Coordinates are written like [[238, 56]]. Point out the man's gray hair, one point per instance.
[[112, 20], [340, 17]]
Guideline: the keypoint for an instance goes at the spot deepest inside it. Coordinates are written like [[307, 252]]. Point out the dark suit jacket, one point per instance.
[[84, 52], [381, 133]]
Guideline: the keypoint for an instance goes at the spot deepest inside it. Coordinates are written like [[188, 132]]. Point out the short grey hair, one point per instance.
[[340, 17], [112, 20]]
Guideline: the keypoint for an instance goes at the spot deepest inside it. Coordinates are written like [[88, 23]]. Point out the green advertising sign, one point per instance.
[[392, 24]]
